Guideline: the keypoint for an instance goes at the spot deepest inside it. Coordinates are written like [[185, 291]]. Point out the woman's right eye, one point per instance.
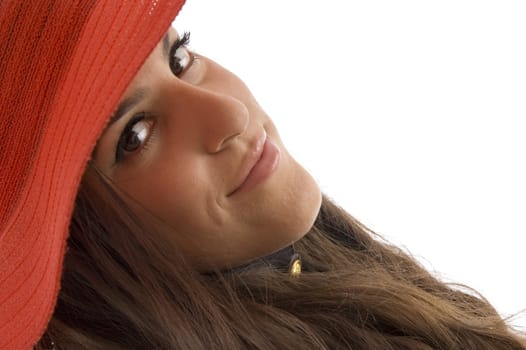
[[134, 137], [137, 131], [180, 57]]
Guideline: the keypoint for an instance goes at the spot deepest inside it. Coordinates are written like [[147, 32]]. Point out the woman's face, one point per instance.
[[200, 160]]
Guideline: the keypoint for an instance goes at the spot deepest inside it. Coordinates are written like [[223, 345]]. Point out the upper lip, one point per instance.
[[250, 160]]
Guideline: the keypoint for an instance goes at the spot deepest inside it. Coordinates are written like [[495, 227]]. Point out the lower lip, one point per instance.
[[265, 166]]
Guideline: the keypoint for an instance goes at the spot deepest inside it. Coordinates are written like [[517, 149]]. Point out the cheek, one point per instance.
[[222, 80], [173, 194]]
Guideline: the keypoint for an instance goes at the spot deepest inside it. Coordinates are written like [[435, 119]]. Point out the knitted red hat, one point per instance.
[[64, 64]]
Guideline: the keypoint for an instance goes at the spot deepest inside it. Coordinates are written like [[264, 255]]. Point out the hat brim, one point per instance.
[[115, 40]]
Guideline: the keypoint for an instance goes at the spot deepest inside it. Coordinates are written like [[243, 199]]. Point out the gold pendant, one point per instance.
[[295, 265]]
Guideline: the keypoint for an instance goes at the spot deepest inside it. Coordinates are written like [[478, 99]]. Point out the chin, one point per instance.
[[306, 204]]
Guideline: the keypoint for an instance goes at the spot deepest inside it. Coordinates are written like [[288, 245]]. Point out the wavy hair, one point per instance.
[[125, 287]]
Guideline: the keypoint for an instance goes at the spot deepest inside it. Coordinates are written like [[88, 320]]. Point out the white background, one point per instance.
[[410, 114]]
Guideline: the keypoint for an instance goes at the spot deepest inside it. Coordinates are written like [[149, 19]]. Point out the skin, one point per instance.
[[202, 125]]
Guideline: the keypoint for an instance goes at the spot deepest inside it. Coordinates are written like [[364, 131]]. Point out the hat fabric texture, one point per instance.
[[64, 65]]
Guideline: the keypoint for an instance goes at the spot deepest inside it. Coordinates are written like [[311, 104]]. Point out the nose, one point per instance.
[[224, 118], [211, 118]]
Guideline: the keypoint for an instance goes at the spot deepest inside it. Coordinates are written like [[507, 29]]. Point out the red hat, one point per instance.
[[64, 65]]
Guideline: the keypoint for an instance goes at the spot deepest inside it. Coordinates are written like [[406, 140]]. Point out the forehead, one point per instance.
[[159, 56]]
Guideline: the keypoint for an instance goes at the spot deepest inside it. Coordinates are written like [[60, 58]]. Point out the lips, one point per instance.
[[258, 165]]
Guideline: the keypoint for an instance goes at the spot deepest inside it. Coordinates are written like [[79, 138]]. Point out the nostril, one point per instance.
[[227, 141]]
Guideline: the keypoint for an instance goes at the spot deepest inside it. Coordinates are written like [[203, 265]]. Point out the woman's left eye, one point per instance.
[[180, 57]]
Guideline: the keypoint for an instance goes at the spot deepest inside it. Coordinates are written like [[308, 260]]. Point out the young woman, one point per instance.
[[147, 202]]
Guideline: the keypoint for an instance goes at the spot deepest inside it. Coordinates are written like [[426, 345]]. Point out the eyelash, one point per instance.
[[120, 154], [182, 41]]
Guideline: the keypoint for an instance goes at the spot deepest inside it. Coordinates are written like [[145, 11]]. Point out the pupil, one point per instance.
[[133, 142], [177, 68]]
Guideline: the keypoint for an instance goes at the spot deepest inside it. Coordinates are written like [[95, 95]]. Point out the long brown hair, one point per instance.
[[125, 287]]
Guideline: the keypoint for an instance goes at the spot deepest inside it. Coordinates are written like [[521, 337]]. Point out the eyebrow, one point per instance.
[[139, 94], [127, 104], [166, 44]]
